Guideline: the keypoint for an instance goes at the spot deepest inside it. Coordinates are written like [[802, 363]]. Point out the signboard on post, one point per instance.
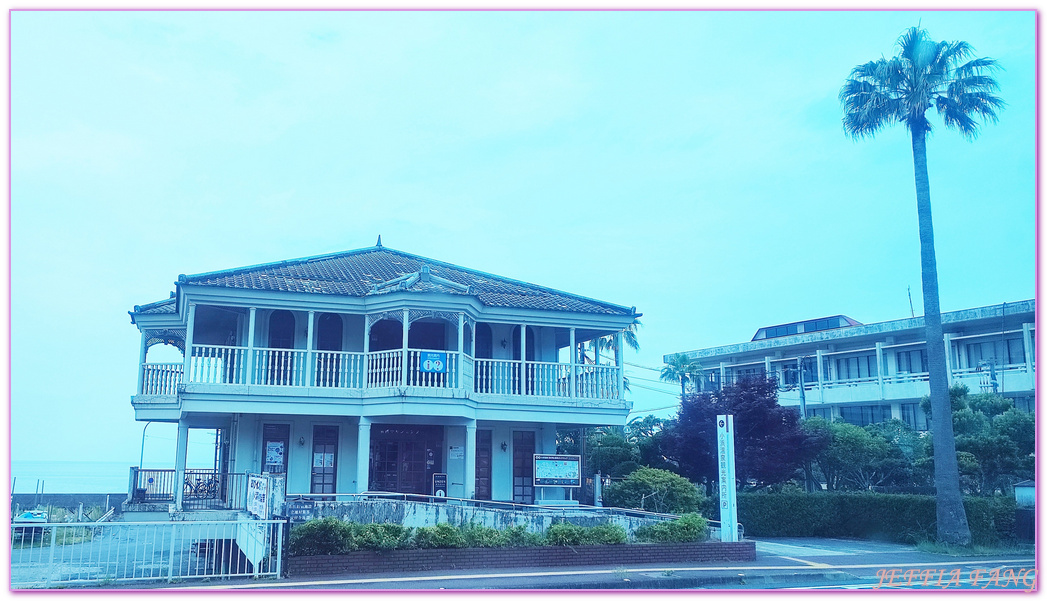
[[300, 510], [440, 485], [728, 497], [558, 470], [258, 496], [435, 363]]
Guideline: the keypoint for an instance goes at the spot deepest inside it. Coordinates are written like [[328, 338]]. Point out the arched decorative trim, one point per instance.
[[374, 318], [175, 338], [416, 314]]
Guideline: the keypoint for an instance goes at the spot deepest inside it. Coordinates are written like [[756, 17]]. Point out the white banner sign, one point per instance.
[[258, 496], [728, 498]]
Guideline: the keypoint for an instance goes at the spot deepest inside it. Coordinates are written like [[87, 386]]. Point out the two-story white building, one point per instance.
[[869, 373], [372, 370]]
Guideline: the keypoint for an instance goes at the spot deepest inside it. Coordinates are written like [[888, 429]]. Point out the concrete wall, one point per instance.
[[425, 514]]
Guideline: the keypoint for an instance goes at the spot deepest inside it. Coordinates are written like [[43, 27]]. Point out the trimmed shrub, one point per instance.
[[899, 518], [518, 536], [565, 535], [654, 490], [440, 536], [329, 536], [483, 536], [382, 537], [691, 527]]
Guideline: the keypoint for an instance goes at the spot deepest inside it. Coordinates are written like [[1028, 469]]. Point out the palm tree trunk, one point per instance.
[[952, 519]]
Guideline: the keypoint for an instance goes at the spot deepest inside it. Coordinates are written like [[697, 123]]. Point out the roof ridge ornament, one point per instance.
[[379, 243]]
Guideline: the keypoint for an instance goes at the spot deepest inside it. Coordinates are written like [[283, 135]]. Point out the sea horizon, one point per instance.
[[71, 476]]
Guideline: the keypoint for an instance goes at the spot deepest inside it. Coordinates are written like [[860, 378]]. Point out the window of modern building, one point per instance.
[[863, 415], [913, 415], [825, 413], [853, 368], [1025, 403], [1010, 351], [912, 362]]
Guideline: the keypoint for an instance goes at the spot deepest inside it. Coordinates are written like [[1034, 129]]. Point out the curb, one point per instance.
[[691, 582]]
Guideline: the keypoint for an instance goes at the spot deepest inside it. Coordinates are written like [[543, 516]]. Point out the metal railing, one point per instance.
[[201, 488], [48, 555]]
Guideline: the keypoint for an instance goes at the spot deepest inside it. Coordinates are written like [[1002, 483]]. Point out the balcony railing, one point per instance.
[[228, 365]]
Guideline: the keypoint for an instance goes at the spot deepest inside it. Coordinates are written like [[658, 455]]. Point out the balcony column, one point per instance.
[[1027, 343], [879, 370], [249, 361], [187, 367], [948, 358], [523, 359], [181, 445], [470, 460], [310, 344], [461, 351], [403, 361], [618, 340], [767, 367], [821, 375], [574, 362], [363, 454], [723, 374], [141, 363]]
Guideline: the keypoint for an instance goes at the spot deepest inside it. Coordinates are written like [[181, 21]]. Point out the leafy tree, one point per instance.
[[680, 369], [655, 490], [769, 443], [900, 89], [608, 451], [1018, 426], [857, 458]]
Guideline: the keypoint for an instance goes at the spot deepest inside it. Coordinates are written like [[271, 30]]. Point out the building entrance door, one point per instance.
[[325, 459], [404, 458], [523, 467]]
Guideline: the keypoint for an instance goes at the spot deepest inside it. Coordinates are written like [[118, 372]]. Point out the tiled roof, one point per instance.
[[362, 272], [165, 306]]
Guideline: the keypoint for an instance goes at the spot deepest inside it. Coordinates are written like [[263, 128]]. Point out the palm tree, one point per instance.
[[900, 90], [680, 369]]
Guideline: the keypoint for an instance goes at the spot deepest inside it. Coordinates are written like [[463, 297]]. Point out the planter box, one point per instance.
[[409, 560]]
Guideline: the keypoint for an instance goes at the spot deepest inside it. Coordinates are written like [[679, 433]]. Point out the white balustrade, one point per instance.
[[161, 379], [380, 369], [548, 379], [383, 368], [418, 376], [279, 367], [496, 376], [336, 369], [598, 382], [217, 365]]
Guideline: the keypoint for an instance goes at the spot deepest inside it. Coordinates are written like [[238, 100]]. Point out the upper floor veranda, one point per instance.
[[419, 330]]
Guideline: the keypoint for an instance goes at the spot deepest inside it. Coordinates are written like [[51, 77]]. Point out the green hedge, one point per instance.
[[691, 527], [332, 536], [899, 518]]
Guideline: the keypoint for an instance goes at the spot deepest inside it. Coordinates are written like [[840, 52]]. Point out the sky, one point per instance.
[[690, 164]]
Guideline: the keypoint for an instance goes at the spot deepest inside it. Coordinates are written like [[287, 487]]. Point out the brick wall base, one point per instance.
[[407, 560]]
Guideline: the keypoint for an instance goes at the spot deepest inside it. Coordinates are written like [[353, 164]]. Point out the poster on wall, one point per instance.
[[274, 453], [558, 470]]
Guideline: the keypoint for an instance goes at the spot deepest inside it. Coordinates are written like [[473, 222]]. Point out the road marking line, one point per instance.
[[804, 561], [743, 568]]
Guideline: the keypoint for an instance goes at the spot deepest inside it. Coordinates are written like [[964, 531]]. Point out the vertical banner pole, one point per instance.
[[728, 497]]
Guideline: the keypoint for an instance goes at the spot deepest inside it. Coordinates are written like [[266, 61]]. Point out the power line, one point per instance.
[[654, 390], [631, 378], [643, 366], [653, 410]]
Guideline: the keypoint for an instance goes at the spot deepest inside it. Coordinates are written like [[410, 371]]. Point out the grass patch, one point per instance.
[[974, 550]]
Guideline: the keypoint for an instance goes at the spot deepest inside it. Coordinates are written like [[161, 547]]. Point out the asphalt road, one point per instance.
[[781, 563]]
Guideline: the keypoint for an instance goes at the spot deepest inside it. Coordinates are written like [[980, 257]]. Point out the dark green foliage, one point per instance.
[[691, 527], [607, 451], [655, 490], [382, 537], [518, 536], [329, 536], [483, 536], [565, 535], [440, 536], [900, 518]]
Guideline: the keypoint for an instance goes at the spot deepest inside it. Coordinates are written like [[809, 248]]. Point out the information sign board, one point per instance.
[[300, 510], [258, 496], [728, 499], [558, 470], [432, 362], [439, 485]]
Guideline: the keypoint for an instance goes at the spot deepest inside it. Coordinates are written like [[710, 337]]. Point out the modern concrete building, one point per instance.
[[372, 370], [868, 373]]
